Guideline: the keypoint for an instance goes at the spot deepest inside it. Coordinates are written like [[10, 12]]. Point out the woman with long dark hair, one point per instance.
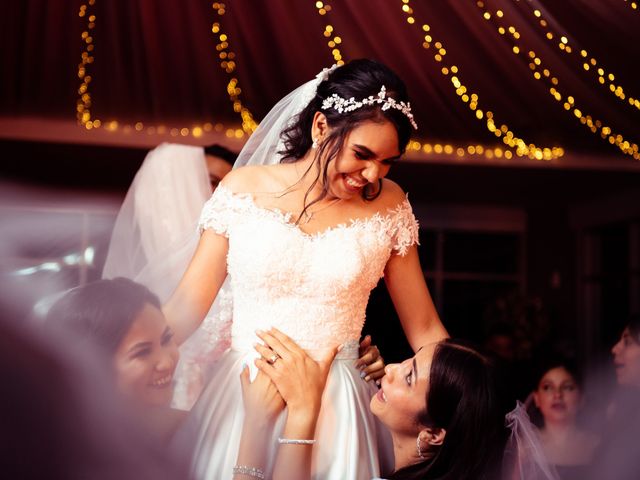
[[441, 408]]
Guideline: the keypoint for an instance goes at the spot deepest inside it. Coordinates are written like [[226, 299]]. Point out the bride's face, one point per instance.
[[403, 392], [146, 359], [366, 157]]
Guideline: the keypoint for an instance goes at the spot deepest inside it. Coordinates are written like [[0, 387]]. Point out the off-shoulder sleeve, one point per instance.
[[405, 229], [218, 212]]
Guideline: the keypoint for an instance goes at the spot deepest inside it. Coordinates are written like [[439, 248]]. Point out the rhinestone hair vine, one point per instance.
[[343, 105]]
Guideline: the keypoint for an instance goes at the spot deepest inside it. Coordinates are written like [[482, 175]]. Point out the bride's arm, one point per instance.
[[192, 299], [408, 290]]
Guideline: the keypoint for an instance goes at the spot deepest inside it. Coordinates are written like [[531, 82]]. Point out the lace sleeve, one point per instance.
[[405, 228], [217, 212]]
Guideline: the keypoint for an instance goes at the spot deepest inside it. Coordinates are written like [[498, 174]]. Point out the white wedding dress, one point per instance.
[[315, 289]]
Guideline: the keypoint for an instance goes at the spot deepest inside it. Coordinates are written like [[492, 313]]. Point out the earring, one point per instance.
[[314, 145], [419, 450]]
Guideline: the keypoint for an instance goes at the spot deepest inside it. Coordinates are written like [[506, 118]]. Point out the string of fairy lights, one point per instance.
[[329, 32], [539, 72], [589, 61], [227, 63], [414, 145], [451, 71], [513, 144], [83, 104], [632, 4]]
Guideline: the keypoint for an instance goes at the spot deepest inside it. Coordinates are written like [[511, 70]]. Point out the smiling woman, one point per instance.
[[440, 407], [121, 322], [305, 230]]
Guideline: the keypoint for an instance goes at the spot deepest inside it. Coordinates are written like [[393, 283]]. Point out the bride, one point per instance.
[[305, 231]]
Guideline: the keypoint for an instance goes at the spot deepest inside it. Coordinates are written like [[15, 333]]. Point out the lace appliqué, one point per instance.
[[314, 287], [405, 228]]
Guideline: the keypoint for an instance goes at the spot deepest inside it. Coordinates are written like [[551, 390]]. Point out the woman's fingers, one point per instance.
[[273, 343], [244, 376], [369, 357], [364, 345], [374, 371], [286, 341], [327, 359], [266, 352]]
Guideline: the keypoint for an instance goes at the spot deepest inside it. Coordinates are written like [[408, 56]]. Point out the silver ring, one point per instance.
[[271, 360]]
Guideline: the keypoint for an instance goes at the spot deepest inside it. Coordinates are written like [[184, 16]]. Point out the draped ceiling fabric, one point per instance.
[[156, 61]]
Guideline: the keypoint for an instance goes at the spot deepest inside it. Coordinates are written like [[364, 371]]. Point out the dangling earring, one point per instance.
[[418, 449], [314, 145]]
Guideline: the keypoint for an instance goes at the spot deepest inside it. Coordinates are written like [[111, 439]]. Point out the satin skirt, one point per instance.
[[350, 442]]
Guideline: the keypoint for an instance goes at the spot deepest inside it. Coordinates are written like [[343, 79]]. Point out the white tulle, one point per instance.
[[524, 457], [153, 240], [264, 144]]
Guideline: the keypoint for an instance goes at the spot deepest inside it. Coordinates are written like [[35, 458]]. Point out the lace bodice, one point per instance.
[[314, 288]]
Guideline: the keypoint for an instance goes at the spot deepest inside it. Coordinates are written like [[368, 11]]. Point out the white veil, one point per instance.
[[153, 240], [264, 144], [155, 234], [524, 457]]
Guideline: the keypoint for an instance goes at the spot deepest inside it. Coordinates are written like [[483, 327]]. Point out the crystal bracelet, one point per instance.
[[295, 441], [248, 471]]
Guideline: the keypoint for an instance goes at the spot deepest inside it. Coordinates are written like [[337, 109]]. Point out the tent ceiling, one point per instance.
[[158, 62]]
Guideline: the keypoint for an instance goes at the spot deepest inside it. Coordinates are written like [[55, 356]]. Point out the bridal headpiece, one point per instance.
[[343, 105]]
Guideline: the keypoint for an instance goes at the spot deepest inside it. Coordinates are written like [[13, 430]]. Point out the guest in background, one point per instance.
[[620, 453], [558, 397]]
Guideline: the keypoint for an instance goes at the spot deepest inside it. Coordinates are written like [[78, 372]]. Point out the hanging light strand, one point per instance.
[[539, 72], [228, 64], [589, 63], [632, 4], [83, 103], [334, 40], [521, 148]]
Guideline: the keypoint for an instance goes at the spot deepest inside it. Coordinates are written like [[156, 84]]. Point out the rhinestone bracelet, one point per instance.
[[295, 441], [248, 471]]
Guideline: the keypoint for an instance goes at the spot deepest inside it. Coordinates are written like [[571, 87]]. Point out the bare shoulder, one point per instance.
[[392, 194], [250, 178]]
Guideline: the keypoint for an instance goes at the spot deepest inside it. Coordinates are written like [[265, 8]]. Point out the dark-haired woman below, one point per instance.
[[121, 322], [440, 407], [558, 397], [305, 233]]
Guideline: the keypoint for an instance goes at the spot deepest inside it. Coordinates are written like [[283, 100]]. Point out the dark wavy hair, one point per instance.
[[100, 313], [357, 79], [463, 399]]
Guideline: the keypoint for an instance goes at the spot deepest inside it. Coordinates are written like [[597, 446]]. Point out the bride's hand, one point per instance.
[[370, 363], [299, 378], [262, 402]]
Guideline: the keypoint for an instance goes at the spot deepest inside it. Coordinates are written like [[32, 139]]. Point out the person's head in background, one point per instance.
[[558, 391], [219, 160], [626, 354], [122, 320]]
